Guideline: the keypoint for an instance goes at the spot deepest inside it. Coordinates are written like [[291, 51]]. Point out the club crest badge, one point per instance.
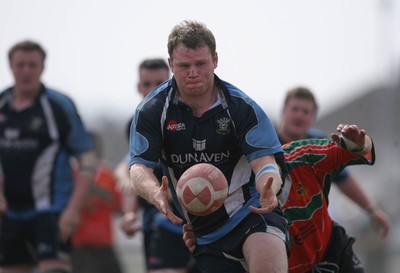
[[223, 126]]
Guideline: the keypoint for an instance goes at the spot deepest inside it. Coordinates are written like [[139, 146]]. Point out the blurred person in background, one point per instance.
[[159, 233], [297, 118], [40, 200], [93, 242]]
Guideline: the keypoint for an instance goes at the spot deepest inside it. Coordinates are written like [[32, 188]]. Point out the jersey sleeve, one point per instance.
[[77, 139], [256, 134], [145, 129]]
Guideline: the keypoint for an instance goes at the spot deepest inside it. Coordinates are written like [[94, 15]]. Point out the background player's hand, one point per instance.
[[355, 138], [3, 203], [68, 223], [160, 201], [268, 199], [129, 224], [189, 237], [380, 222]]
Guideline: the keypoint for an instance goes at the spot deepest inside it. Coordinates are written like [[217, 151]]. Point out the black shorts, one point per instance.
[[339, 255], [167, 250], [95, 259], [225, 255], [29, 241]]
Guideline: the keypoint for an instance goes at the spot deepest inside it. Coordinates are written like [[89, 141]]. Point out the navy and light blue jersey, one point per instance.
[[234, 131], [36, 145]]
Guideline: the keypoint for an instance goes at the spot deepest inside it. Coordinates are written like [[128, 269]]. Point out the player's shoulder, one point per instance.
[[59, 99]]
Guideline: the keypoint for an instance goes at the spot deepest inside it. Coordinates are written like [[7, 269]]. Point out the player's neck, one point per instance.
[[286, 137], [22, 100], [200, 105]]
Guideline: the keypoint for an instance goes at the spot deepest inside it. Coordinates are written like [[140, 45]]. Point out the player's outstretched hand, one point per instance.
[[160, 200], [189, 237], [268, 199], [351, 137]]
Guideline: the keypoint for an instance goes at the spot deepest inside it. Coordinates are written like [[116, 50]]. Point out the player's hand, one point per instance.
[[380, 222], [68, 223], [355, 138], [129, 224], [3, 203], [268, 199], [189, 237], [160, 201]]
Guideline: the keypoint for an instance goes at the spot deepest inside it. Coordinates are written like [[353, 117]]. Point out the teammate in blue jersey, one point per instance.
[[298, 115], [197, 117], [158, 231], [40, 130]]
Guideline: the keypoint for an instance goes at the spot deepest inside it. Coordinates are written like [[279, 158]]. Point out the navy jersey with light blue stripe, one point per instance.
[[36, 145], [229, 135]]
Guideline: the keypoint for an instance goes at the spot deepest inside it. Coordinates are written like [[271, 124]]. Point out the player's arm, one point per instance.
[[146, 185], [357, 141], [3, 201], [69, 220], [130, 206], [268, 182]]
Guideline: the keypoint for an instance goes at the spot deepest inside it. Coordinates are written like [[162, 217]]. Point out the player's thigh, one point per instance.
[[95, 259], [265, 252], [16, 243], [48, 245], [340, 254]]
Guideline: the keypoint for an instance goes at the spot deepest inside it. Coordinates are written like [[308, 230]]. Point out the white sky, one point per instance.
[[335, 47]]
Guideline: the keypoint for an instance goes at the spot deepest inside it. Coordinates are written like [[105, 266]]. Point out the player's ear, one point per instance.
[[215, 60]]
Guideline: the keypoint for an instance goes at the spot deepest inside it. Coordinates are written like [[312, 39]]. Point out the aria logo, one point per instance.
[[199, 145], [223, 126], [174, 126]]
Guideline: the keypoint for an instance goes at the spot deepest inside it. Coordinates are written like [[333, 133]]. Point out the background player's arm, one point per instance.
[[357, 141], [69, 219], [130, 206], [3, 201]]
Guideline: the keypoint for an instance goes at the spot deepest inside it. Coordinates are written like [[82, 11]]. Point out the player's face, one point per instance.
[[298, 116], [194, 71], [27, 67], [151, 78]]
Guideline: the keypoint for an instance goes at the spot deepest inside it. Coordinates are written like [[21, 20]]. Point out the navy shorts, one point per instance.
[[339, 255], [167, 250], [225, 255], [29, 241]]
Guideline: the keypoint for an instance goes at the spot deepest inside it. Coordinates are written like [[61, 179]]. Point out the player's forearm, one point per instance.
[[264, 168], [144, 182], [81, 186], [87, 163]]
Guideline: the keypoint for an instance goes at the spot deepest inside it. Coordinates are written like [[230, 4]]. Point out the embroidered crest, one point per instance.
[[223, 126]]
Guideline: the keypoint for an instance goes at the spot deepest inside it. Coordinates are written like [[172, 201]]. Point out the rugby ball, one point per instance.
[[202, 189]]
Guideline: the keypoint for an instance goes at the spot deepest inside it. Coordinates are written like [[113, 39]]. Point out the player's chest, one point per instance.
[[23, 130]]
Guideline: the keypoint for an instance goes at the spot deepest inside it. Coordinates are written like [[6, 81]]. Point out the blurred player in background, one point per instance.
[[40, 199], [163, 245], [93, 242]]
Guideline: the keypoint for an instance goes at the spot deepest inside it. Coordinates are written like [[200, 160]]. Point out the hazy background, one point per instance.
[[346, 51]]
